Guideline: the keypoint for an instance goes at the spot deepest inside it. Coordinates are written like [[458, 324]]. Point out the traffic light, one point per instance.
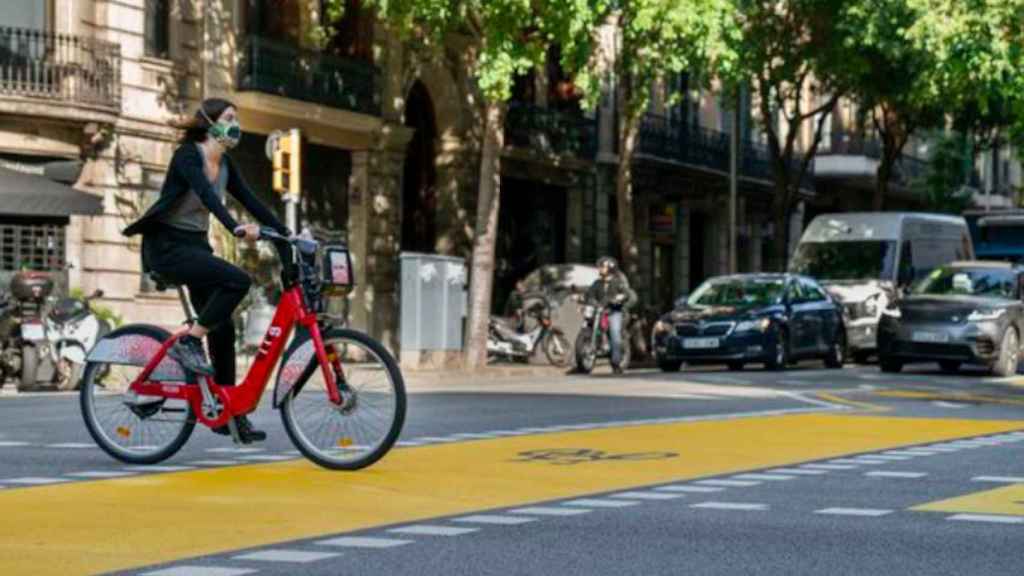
[[288, 163]]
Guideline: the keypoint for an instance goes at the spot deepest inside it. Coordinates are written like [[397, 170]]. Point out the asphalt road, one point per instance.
[[711, 472]]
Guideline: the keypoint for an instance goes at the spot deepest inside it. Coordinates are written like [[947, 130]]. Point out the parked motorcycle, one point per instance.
[[72, 329], [23, 330], [593, 340], [504, 341]]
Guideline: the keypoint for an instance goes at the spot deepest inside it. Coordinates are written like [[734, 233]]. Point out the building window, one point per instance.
[[158, 19], [27, 14], [32, 244]]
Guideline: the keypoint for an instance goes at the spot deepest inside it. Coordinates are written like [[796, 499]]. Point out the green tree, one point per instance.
[[943, 186], [503, 38], [891, 79], [795, 58], [660, 38]]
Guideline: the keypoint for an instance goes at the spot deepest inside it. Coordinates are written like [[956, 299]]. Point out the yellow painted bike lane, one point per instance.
[[94, 527]]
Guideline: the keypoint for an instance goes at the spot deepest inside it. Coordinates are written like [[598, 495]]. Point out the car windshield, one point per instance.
[[856, 260], [738, 292], [995, 282]]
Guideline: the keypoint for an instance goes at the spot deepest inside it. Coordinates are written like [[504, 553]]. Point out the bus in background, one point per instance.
[[997, 234]]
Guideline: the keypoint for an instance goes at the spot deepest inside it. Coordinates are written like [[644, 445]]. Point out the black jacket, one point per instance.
[[604, 291], [186, 172]]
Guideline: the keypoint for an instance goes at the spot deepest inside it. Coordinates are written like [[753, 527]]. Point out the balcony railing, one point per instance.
[[550, 130], [276, 68], [906, 169], [60, 67], [669, 139]]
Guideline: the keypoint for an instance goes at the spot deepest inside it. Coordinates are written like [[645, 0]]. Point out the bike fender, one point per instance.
[[135, 345], [71, 350], [298, 365]]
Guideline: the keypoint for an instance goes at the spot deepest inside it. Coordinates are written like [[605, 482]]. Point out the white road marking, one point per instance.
[[33, 480], [233, 450], [795, 382], [988, 518], [473, 435], [854, 462], [496, 520], [872, 512], [827, 467], [200, 571], [601, 503], [728, 483], [919, 452], [100, 474], [73, 445], [905, 453], [433, 530], [885, 474], [549, 511], [888, 457], [731, 506], [214, 462], [1001, 479], [772, 477], [943, 448], [800, 471], [12, 444], [944, 404], [158, 468], [646, 495], [435, 439], [690, 489], [364, 542], [291, 556], [405, 443]]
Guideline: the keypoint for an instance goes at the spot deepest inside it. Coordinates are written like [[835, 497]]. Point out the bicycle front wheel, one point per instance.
[[366, 426]]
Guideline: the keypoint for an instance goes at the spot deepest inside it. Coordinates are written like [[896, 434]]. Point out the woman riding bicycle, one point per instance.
[[176, 247]]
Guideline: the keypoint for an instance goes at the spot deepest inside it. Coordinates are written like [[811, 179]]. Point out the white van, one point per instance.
[[865, 259]]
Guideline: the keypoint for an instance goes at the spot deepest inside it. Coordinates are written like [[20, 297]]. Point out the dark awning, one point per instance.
[[33, 195]]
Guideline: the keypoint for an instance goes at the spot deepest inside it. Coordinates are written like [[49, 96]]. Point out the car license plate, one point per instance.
[[700, 343], [930, 337], [32, 331]]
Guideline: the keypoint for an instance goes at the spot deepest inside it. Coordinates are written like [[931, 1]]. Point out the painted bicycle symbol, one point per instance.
[[570, 456]]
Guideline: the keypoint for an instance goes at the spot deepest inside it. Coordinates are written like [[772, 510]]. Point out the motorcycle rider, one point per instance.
[[611, 290]]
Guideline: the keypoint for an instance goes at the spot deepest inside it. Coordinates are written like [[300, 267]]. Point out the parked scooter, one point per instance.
[[504, 341], [593, 340], [72, 329]]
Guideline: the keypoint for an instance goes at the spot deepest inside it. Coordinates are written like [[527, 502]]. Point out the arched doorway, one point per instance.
[[419, 190]]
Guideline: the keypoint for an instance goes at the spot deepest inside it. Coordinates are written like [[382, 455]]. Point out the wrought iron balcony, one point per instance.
[[70, 69], [283, 70], [550, 131], [669, 139]]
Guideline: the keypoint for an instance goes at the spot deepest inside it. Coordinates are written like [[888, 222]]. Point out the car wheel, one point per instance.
[[780, 355], [950, 366], [837, 352], [1009, 354], [890, 365], [861, 357], [670, 365], [735, 366]]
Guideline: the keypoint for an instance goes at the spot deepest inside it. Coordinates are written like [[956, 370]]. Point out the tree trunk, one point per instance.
[[624, 198], [780, 221], [488, 201], [881, 184]]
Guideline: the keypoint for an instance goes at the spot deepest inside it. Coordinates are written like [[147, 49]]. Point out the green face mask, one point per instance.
[[227, 133]]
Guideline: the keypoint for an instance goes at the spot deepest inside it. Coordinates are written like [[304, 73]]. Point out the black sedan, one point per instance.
[[774, 319], [962, 313]]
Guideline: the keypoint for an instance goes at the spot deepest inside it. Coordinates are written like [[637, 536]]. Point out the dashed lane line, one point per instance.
[[286, 556], [889, 474], [200, 571], [999, 479], [638, 495], [728, 483], [871, 512], [828, 467], [799, 471], [495, 520], [601, 503], [690, 489], [364, 542], [34, 480], [96, 474], [990, 518], [768, 477], [432, 530], [743, 506], [549, 511]]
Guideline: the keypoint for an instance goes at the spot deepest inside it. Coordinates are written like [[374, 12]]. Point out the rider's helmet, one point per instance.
[[612, 264]]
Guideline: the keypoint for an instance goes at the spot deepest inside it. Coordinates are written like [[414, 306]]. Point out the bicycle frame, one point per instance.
[[244, 398]]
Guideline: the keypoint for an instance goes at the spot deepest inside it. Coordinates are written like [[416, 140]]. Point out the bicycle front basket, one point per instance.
[[337, 269]]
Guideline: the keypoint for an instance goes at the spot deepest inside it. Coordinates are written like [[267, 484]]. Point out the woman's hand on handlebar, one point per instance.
[[250, 232]]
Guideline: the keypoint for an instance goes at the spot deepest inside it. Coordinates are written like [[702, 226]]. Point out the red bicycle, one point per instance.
[[340, 393]]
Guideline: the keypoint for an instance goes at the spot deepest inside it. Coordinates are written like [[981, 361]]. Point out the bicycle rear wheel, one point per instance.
[[131, 428], [362, 431]]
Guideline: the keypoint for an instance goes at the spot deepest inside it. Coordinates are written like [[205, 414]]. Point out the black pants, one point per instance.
[[215, 288]]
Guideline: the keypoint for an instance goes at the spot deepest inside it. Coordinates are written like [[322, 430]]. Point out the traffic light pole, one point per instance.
[[289, 213]]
